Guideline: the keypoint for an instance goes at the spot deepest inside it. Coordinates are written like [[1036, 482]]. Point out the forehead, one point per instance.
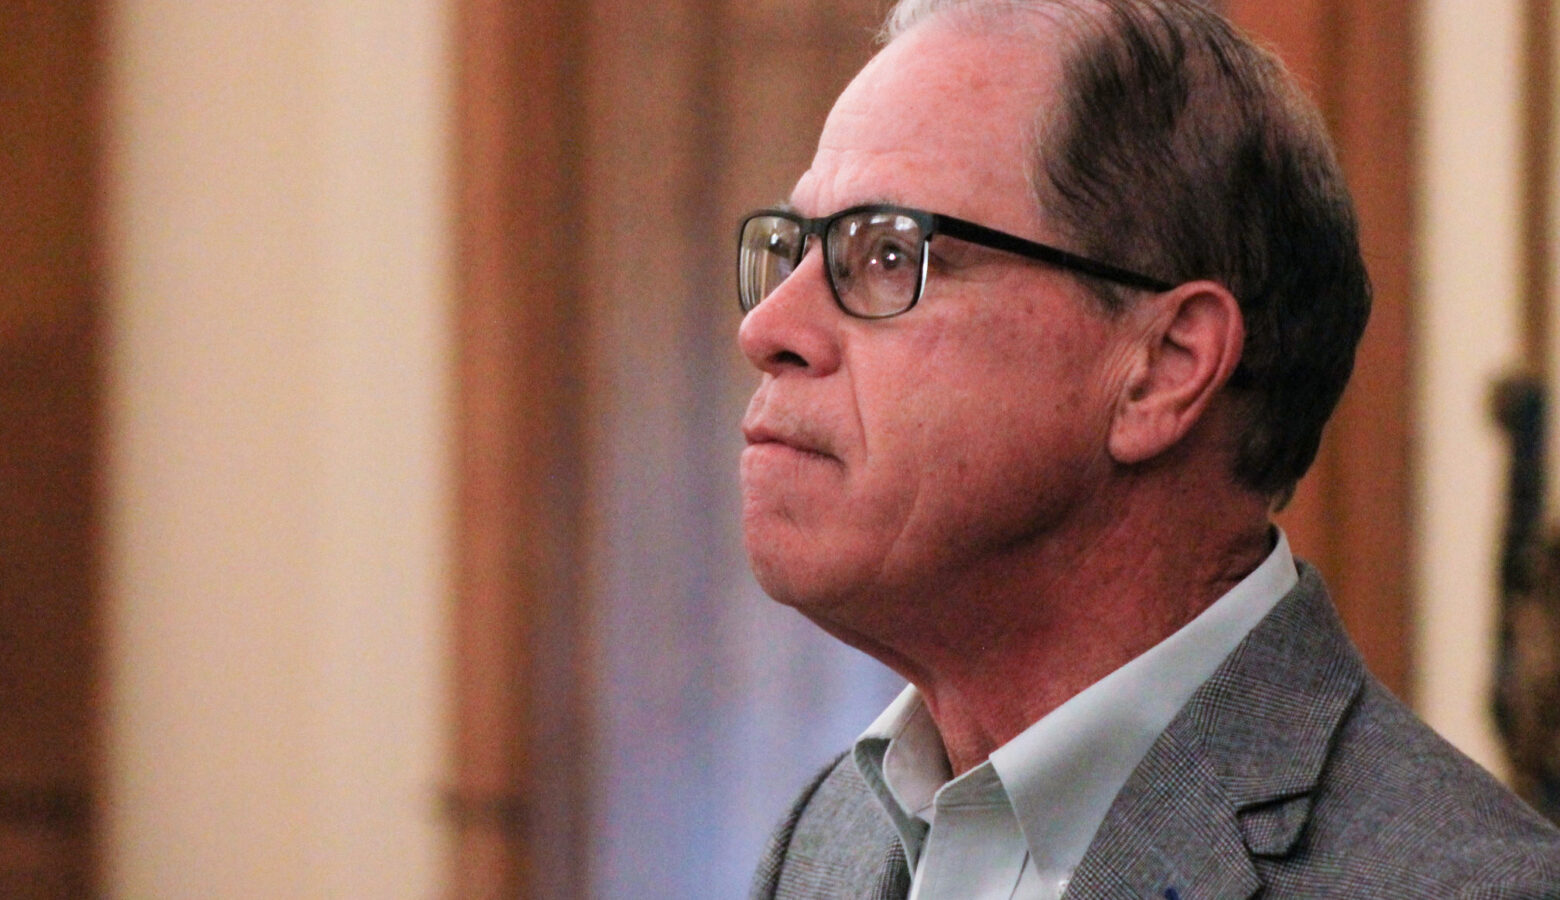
[[944, 118]]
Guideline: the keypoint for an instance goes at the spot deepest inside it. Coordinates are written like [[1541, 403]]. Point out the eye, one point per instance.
[[888, 257], [875, 256], [781, 244], [889, 254], [875, 262]]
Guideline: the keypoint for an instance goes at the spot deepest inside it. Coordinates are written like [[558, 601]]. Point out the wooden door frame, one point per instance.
[[517, 434], [52, 123]]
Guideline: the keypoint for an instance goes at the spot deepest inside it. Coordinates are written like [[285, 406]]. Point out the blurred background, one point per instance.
[[368, 403]]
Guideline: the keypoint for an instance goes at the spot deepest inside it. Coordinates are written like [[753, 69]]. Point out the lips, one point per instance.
[[800, 440], [780, 428]]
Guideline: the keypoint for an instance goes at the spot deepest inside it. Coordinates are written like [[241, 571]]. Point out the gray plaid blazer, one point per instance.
[[1291, 773]]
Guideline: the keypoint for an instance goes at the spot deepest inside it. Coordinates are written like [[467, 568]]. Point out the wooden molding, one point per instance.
[[51, 124], [1538, 98], [517, 426]]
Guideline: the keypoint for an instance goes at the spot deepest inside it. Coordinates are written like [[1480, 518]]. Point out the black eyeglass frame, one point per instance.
[[931, 225]]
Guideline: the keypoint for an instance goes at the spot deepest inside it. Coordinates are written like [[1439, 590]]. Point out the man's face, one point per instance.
[[894, 458]]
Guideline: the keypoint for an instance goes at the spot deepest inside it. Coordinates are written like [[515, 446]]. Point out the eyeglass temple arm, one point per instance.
[[1001, 240]]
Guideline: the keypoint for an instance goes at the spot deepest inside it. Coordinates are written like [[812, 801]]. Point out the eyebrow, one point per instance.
[[874, 200]]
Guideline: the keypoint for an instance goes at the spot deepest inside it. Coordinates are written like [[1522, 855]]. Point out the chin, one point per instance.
[[785, 581], [804, 581], [838, 594], [826, 571], [851, 610]]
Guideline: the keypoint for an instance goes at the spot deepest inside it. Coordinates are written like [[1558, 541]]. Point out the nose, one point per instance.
[[795, 328]]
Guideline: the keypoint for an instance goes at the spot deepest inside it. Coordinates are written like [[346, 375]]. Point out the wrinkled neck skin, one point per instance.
[[995, 647]]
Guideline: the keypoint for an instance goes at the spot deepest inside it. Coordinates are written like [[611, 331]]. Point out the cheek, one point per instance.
[[1006, 377], [1005, 431]]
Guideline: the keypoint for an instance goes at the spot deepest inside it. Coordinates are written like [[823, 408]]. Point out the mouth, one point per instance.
[[763, 437]]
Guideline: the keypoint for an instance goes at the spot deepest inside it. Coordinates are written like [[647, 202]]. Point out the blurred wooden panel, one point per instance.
[[1352, 513], [1538, 140], [49, 427], [516, 230], [605, 151]]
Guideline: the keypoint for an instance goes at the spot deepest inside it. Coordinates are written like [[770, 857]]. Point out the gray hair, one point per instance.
[[1181, 149]]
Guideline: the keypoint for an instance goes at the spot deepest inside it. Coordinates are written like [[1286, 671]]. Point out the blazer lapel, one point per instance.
[[893, 879], [1229, 780]]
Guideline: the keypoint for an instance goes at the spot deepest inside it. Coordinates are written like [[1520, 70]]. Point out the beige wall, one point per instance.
[[1468, 335], [278, 481]]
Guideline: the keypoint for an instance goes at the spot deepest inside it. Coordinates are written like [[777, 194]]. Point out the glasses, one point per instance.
[[876, 255]]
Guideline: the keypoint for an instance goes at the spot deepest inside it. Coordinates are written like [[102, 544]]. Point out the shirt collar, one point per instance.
[[1062, 773], [902, 759]]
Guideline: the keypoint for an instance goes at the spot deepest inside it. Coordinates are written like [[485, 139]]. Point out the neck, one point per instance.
[[1004, 645]]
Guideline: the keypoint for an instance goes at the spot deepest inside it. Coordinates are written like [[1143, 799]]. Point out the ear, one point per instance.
[[1191, 341]]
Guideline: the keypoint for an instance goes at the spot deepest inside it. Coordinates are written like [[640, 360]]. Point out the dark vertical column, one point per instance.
[[1538, 98], [50, 452], [517, 432]]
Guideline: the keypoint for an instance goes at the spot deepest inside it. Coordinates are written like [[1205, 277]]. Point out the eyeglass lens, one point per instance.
[[770, 250], [874, 260]]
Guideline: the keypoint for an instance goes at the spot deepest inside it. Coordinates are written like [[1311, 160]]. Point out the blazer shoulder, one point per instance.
[[1399, 809], [830, 843], [767, 878], [1295, 772]]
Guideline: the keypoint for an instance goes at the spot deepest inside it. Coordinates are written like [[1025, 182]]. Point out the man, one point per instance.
[[1049, 326]]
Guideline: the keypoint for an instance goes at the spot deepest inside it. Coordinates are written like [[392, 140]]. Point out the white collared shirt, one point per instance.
[[1015, 826]]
